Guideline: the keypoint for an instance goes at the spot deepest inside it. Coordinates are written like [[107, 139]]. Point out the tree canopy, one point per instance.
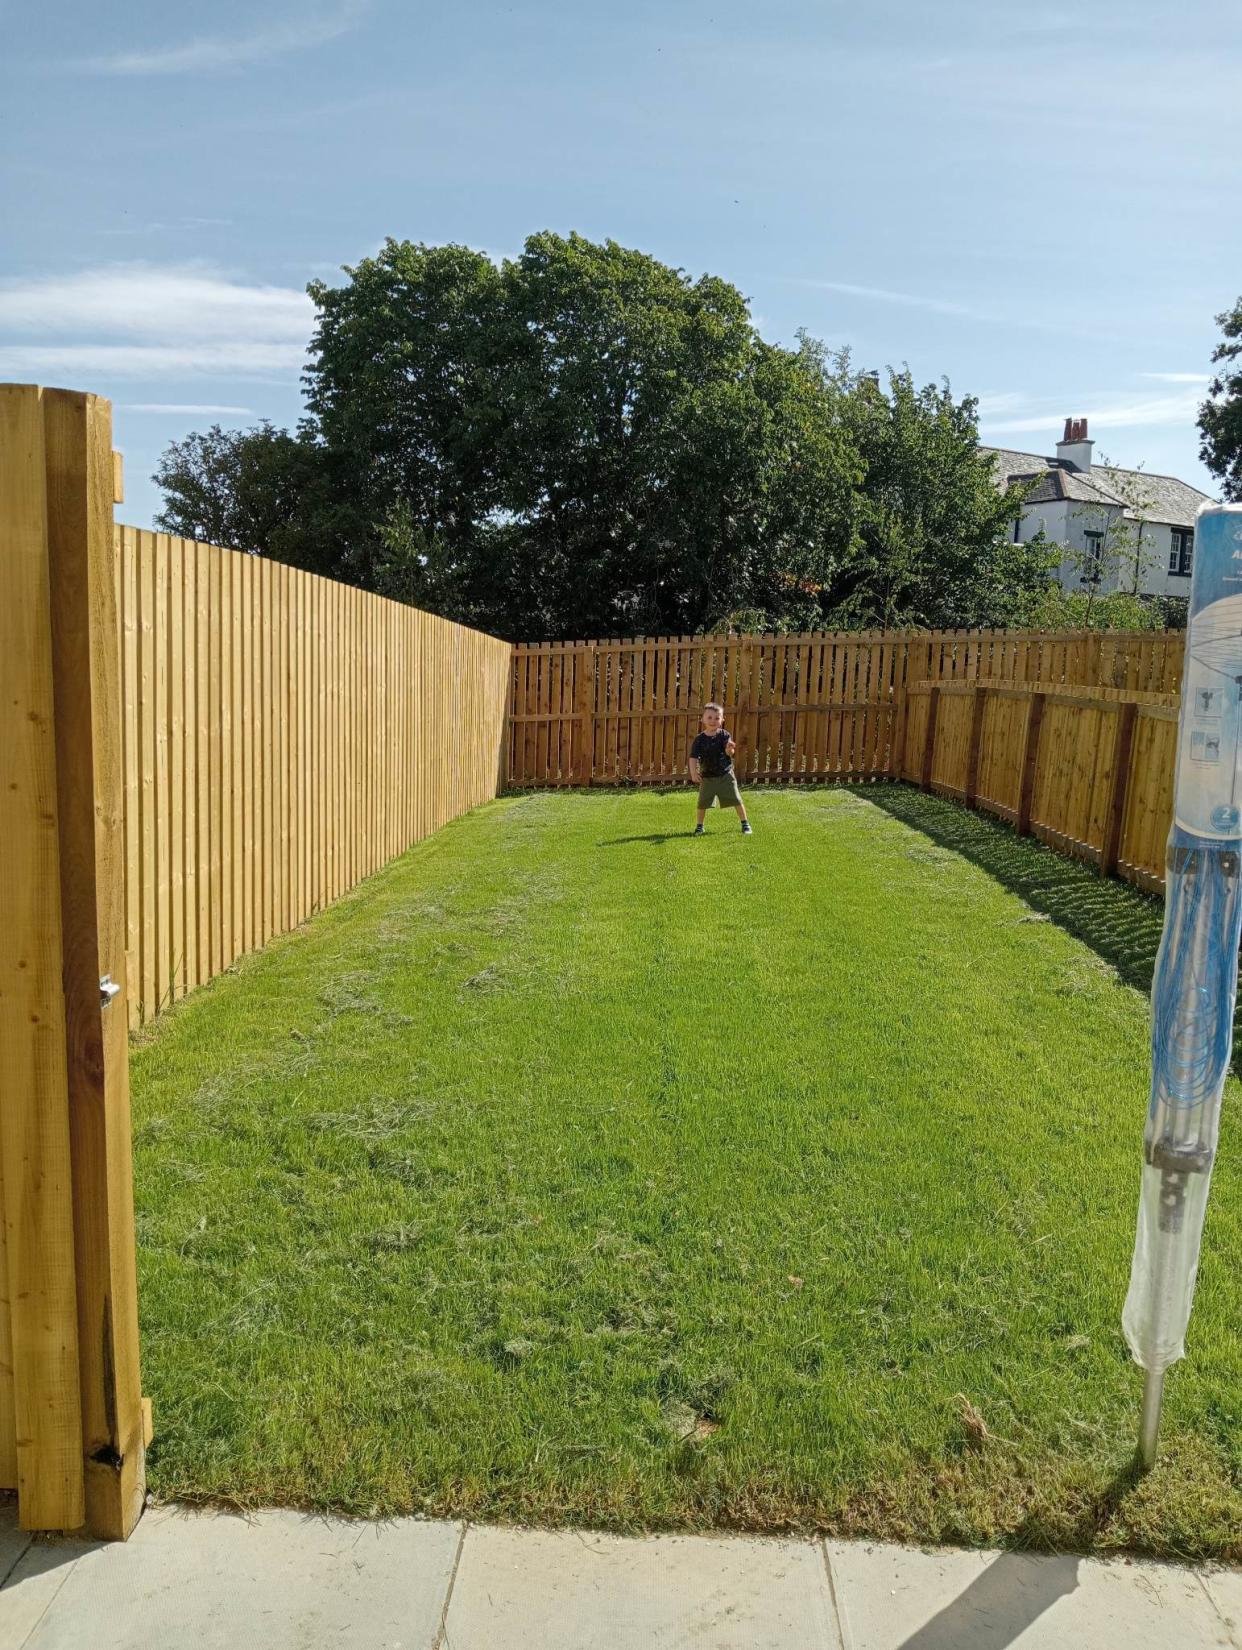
[[1220, 416], [584, 441]]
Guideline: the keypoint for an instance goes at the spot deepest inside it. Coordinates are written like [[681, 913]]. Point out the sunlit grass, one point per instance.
[[576, 1170]]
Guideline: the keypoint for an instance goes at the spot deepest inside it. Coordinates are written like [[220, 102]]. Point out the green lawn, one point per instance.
[[575, 1170]]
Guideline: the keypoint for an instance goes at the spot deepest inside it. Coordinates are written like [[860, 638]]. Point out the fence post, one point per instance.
[[584, 709], [40, 1406], [85, 656], [977, 710], [929, 740], [1123, 741], [65, 1114], [1030, 761], [741, 719]]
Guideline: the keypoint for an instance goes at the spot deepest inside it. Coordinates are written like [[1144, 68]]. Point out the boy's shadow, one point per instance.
[[651, 836]]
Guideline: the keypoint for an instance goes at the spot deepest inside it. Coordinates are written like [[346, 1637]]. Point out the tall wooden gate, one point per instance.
[[72, 1424]]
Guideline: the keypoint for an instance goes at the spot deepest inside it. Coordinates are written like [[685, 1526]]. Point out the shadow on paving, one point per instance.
[[1018, 1586], [1118, 922], [997, 1608]]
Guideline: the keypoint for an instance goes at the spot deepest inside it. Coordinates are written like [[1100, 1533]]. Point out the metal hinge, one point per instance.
[[108, 989]]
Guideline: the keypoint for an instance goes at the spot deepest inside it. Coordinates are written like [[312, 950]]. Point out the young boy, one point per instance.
[[711, 768]]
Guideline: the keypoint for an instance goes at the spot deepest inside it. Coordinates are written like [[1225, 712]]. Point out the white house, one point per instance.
[[1121, 529]]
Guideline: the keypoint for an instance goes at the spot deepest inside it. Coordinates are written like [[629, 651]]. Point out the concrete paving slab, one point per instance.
[[1225, 1589], [897, 1598], [212, 1581], [534, 1590], [13, 1542], [32, 1587]]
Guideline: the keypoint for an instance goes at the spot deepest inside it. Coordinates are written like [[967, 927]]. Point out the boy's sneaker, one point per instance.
[[699, 831], [746, 830]]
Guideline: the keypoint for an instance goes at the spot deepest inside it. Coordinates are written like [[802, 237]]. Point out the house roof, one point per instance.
[[1137, 492]]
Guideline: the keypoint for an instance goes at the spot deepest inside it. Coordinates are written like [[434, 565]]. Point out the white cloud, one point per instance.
[[253, 360], [150, 320], [1179, 377], [1106, 413], [946, 306], [1000, 401], [145, 300], [190, 409], [883, 295], [206, 52]]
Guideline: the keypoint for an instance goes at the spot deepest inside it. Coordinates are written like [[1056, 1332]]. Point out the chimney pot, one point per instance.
[[1074, 448]]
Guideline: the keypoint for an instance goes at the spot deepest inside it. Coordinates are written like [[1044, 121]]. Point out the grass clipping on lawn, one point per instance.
[[577, 1171]]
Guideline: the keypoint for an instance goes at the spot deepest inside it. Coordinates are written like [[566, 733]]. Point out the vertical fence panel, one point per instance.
[[176, 766], [148, 832], [129, 691], [283, 736]]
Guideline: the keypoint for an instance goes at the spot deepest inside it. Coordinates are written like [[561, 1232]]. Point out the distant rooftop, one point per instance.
[[1069, 474]]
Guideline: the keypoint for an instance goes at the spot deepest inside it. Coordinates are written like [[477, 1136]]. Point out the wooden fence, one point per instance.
[[826, 706], [1089, 771], [283, 737], [200, 749]]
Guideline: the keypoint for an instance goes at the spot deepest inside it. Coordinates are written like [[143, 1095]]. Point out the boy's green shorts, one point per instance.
[[723, 790]]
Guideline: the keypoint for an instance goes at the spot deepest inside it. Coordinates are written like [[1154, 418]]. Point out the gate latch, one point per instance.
[[108, 989]]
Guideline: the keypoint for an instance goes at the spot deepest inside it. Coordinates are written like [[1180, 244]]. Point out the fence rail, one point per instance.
[[823, 706]]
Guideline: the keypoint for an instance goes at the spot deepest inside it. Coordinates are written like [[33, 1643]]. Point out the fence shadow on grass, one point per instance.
[[1119, 923]]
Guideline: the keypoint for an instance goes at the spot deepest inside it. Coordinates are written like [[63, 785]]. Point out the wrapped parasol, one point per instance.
[[1196, 977]]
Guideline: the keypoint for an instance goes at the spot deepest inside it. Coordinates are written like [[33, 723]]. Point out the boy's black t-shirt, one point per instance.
[[709, 750]]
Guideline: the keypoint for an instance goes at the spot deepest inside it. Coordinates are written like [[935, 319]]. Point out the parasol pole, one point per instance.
[[1149, 1420]]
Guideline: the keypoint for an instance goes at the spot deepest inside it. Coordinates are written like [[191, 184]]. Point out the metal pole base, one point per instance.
[[1149, 1424]]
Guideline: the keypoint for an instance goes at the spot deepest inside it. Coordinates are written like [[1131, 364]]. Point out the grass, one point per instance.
[[573, 1170]]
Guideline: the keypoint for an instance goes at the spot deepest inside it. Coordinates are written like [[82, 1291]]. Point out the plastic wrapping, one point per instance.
[[1194, 987]]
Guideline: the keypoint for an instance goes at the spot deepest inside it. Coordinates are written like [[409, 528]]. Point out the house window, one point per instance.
[[1093, 559], [1181, 552]]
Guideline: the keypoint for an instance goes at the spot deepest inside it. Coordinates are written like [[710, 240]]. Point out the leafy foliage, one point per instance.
[[260, 490], [585, 441], [933, 546], [1220, 417], [1058, 609]]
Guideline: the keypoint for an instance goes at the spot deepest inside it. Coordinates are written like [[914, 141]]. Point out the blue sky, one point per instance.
[[1042, 205]]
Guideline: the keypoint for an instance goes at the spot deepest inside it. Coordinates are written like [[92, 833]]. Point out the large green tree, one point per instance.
[[1220, 416], [262, 490], [584, 441], [935, 544]]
